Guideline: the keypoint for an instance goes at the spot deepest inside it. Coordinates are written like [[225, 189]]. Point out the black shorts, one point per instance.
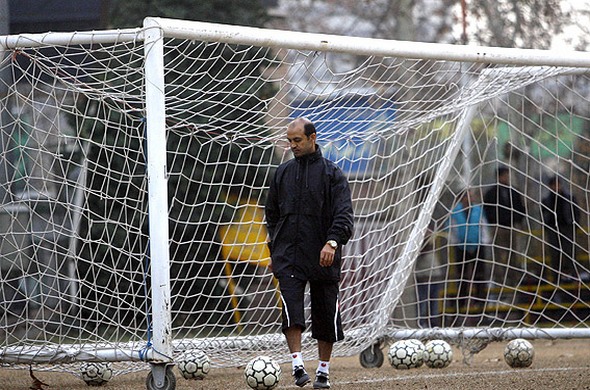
[[326, 324]]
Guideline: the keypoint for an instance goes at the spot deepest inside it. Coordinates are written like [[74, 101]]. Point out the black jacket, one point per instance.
[[503, 206], [560, 212], [309, 203]]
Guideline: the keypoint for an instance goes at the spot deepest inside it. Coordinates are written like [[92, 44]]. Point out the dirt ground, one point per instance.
[[563, 364]]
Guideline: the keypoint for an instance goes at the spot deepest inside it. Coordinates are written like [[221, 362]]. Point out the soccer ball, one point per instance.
[[405, 354], [262, 373], [95, 373], [194, 365], [438, 354], [519, 353]]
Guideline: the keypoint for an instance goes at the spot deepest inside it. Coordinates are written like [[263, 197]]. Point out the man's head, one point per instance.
[[553, 183], [468, 196], [504, 175], [301, 135]]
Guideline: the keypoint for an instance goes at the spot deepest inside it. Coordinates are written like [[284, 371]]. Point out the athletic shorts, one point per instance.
[[326, 324]]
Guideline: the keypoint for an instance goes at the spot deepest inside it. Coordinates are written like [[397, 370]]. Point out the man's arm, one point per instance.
[[490, 206], [518, 203], [271, 209], [342, 212]]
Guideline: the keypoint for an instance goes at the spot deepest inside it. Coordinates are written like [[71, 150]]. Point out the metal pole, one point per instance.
[[4, 82], [368, 46], [158, 193]]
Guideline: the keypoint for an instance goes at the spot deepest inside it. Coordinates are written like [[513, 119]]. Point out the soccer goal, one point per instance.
[[135, 165]]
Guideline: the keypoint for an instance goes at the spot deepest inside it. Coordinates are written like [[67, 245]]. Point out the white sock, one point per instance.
[[324, 367], [296, 360]]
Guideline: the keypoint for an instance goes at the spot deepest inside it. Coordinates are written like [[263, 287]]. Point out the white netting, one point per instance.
[[74, 202], [526, 277], [410, 133]]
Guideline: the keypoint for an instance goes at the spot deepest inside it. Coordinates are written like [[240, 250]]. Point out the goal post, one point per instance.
[[157, 170], [137, 164]]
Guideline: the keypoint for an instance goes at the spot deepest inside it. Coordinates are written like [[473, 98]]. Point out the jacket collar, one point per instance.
[[312, 156]]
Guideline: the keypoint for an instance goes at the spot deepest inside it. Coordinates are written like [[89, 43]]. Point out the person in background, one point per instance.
[[560, 214], [467, 224], [429, 274], [504, 211], [309, 218]]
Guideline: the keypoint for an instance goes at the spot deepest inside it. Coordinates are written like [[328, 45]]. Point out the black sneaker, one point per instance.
[[322, 381], [301, 377]]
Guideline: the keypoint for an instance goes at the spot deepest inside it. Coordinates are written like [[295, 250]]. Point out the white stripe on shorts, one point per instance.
[[336, 319], [286, 311]]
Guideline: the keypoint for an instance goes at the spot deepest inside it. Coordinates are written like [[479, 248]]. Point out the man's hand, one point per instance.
[[327, 256], [269, 265]]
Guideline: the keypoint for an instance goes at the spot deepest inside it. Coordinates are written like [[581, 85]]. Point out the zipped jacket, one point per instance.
[[503, 205], [309, 202]]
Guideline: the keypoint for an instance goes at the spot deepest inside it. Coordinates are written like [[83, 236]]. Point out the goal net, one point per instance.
[[136, 163]]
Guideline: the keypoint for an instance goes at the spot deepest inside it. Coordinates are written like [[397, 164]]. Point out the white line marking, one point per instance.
[[462, 374]]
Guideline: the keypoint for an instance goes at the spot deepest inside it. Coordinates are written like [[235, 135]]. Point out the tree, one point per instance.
[[130, 13], [517, 23], [204, 89], [506, 23]]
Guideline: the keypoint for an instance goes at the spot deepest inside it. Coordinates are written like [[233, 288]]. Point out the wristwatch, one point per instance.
[[333, 244]]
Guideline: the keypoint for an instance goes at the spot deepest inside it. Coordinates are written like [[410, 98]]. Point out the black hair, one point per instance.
[[502, 169], [552, 180], [309, 128]]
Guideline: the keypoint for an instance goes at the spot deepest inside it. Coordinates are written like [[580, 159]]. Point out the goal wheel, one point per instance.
[[167, 382], [372, 357]]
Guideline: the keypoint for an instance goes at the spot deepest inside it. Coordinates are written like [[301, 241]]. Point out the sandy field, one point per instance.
[[563, 364]]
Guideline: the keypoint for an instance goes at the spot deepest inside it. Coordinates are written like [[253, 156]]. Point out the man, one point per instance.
[[309, 217], [504, 210], [467, 238], [560, 214]]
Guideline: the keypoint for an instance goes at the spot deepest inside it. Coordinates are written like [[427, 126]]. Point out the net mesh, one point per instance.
[[412, 135]]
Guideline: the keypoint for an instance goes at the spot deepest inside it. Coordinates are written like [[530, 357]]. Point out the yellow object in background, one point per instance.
[[244, 238]]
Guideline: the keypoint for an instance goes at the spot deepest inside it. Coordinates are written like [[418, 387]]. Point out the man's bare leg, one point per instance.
[[293, 336], [325, 350]]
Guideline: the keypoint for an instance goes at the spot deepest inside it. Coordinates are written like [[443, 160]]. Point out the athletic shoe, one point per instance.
[[301, 377], [322, 381]]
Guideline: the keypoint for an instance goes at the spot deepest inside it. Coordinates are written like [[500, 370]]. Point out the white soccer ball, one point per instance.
[[406, 354], [262, 373], [96, 373], [438, 354], [194, 364], [519, 353]]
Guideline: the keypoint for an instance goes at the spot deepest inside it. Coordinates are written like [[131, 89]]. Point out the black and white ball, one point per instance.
[[96, 373], [519, 353], [438, 354], [262, 373], [406, 354], [194, 364]]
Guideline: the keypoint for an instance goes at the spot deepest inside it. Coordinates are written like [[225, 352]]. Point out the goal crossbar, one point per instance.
[[265, 37], [274, 38], [11, 42]]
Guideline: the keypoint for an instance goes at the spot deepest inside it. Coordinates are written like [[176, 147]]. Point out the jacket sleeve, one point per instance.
[[519, 209], [576, 210], [548, 211], [342, 212], [271, 208], [490, 207]]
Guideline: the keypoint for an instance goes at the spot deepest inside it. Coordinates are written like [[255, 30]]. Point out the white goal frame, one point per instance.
[[355, 45], [153, 32]]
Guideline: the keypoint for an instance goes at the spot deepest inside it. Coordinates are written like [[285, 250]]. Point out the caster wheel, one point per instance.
[[372, 357], [169, 382]]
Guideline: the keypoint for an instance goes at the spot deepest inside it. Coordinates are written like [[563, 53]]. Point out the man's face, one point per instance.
[[299, 143], [504, 178]]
